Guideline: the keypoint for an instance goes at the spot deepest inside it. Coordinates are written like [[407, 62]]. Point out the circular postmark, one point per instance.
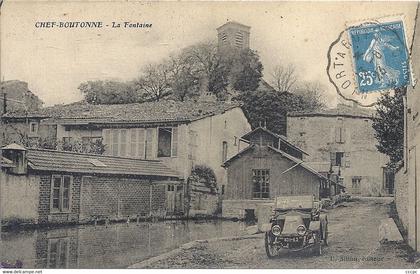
[[368, 59]]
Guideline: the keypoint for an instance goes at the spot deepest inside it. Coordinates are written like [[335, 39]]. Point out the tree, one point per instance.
[[109, 92], [247, 70], [206, 62], [155, 81], [284, 78], [184, 83], [311, 94], [270, 108], [389, 125]]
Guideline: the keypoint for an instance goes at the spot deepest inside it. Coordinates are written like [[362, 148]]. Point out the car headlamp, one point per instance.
[[301, 230], [276, 230]]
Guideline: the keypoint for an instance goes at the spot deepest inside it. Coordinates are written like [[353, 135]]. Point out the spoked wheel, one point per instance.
[[270, 249]]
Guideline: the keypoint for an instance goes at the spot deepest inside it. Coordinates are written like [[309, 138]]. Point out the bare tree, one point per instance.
[[284, 78], [155, 81], [312, 94]]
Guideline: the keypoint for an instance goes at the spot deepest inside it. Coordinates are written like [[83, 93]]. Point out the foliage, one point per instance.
[[246, 70], [389, 125], [154, 82], [311, 93], [91, 147], [205, 174], [270, 107], [109, 92], [284, 78]]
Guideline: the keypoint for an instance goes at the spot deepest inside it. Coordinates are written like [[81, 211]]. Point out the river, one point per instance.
[[113, 246]]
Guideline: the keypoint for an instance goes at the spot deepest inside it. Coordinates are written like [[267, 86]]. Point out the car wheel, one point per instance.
[[269, 248]]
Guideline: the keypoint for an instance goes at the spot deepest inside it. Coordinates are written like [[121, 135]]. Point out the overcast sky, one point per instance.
[[55, 61]]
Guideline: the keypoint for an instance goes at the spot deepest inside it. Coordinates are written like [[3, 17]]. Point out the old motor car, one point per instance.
[[297, 223]]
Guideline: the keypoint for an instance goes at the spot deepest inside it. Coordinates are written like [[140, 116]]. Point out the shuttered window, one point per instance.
[[167, 142], [174, 142], [60, 193]]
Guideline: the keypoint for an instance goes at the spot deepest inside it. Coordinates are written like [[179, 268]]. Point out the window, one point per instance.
[[33, 127], [58, 253], [223, 189], [167, 142], [261, 183], [340, 134], [67, 140], [224, 151], [171, 187], [355, 185], [60, 193], [337, 158]]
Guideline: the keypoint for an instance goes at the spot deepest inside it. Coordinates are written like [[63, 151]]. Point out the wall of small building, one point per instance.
[[118, 198], [412, 147], [44, 205], [17, 131], [76, 133], [317, 135], [211, 133], [401, 196], [239, 193], [19, 196], [103, 197]]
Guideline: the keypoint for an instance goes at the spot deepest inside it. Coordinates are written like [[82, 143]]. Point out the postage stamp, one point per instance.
[[380, 56]]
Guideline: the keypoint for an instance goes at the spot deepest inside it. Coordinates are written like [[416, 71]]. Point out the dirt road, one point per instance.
[[353, 243]]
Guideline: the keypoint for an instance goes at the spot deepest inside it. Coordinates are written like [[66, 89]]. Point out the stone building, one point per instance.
[[180, 134], [46, 186], [233, 35], [408, 177], [344, 139], [15, 96]]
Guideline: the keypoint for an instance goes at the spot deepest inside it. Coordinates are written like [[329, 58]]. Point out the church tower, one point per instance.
[[233, 35]]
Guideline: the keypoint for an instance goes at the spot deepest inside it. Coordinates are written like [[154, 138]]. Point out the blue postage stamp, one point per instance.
[[380, 56]]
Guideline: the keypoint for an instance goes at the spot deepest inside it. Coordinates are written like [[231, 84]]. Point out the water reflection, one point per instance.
[[112, 246]]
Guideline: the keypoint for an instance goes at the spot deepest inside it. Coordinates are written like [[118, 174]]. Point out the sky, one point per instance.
[[55, 61]]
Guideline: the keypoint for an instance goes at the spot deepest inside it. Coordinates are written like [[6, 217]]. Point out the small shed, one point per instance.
[[263, 171]]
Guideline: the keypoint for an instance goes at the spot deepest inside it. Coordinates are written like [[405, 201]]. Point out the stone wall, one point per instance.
[[18, 198], [236, 208], [401, 196], [317, 135]]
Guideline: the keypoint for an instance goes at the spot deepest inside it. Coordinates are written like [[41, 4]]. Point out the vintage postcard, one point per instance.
[[209, 135]]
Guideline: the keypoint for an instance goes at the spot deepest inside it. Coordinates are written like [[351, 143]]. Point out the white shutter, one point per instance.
[[107, 140], [141, 144], [133, 143], [174, 146]]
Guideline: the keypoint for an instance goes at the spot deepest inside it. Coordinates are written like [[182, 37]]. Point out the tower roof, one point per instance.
[[233, 23]]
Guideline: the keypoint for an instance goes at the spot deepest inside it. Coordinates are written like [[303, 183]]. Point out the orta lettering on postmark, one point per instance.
[[369, 57]]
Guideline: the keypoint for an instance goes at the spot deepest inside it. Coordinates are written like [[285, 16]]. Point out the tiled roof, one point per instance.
[[161, 111], [61, 161], [340, 110]]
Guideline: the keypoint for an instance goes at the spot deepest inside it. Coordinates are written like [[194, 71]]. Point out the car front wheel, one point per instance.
[[270, 249]]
